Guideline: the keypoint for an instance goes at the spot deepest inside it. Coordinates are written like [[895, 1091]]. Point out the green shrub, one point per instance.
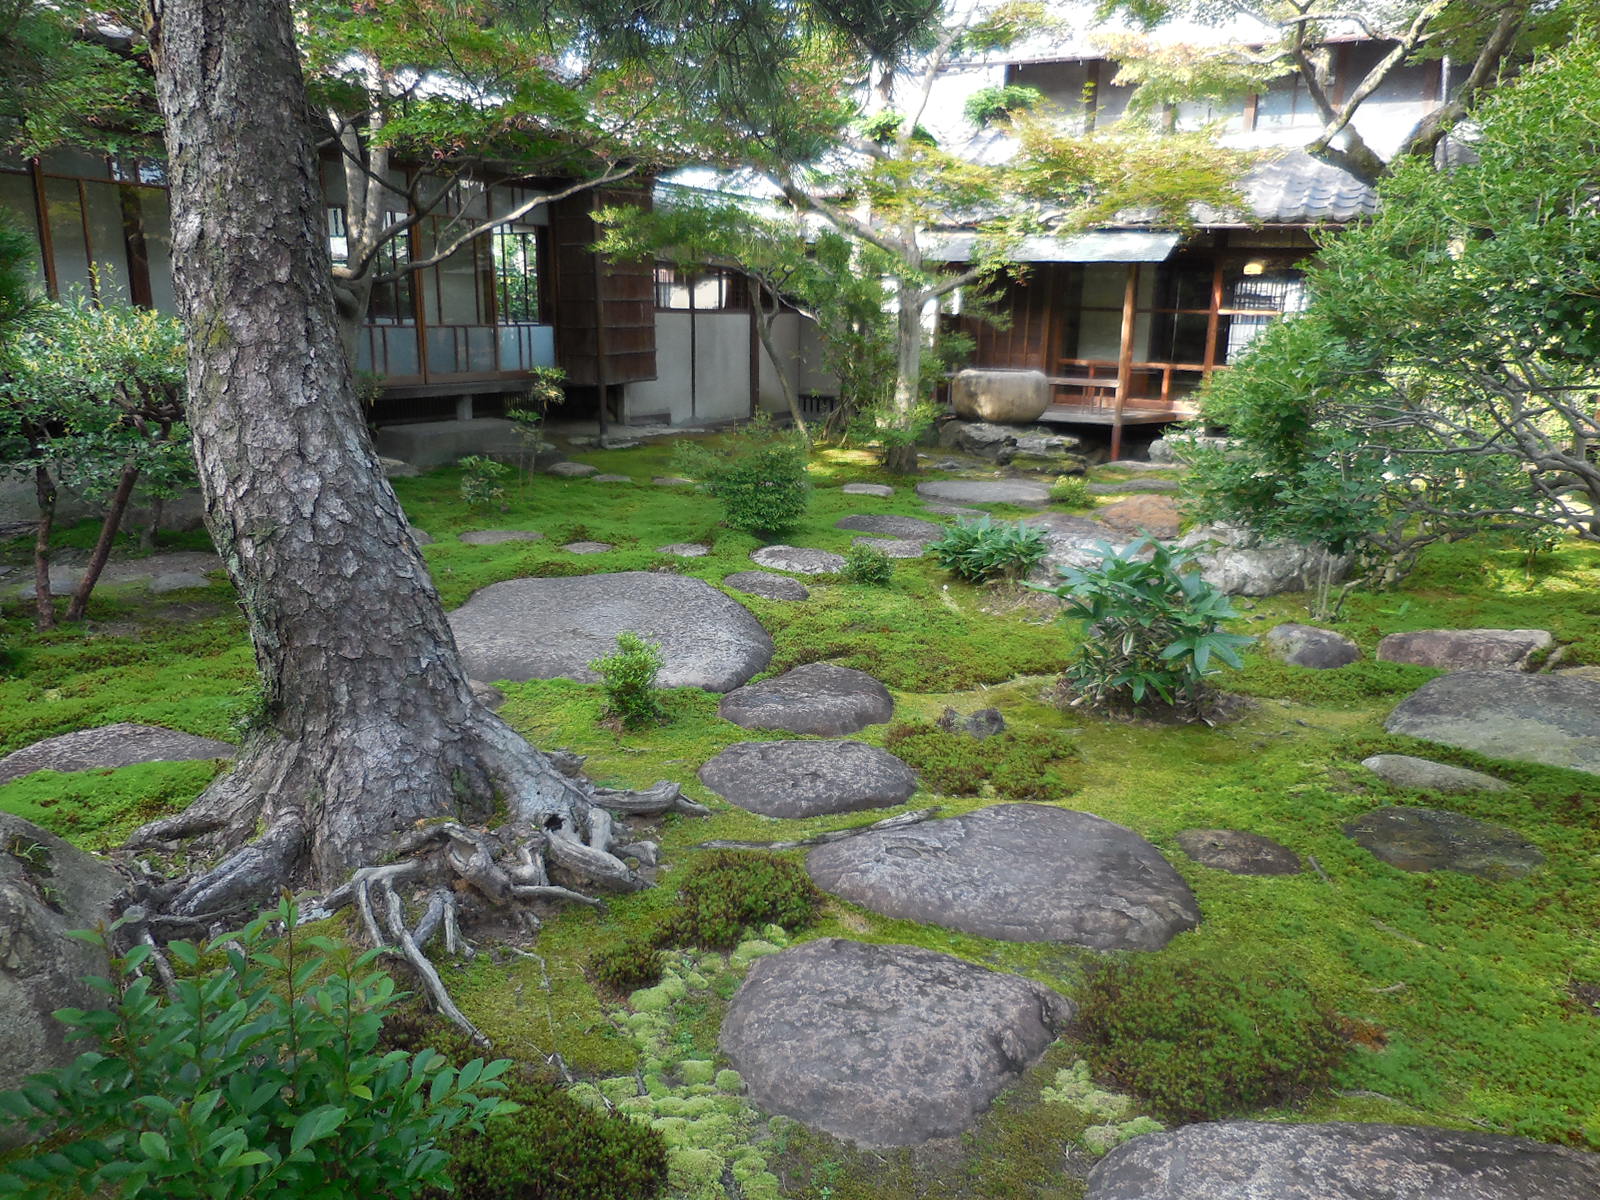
[[867, 564], [759, 475], [553, 1148], [1203, 1041], [728, 891], [1152, 627], [1070, 491], [10, 658], [1018, 765], [629, 679], [983, 549], [629, 965], [480, 482], [260, 1076]]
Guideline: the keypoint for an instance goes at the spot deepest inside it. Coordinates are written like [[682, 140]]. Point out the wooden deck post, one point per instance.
[[1130, 298]]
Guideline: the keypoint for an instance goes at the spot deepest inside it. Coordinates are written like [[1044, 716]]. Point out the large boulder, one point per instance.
[[1307, 646], [119, 745], [1430, 839], [1074, 542], [1252, 1160], [808, 779], [1017, 872], [1157, 516], [1461, 649], [47, 888], [1010, 397], [817, 698], [994, 442], [552, 628], [884, 1045], [1239, 563], [1548, 719]]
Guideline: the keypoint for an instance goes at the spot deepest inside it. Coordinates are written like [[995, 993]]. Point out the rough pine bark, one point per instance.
[[370, 727]]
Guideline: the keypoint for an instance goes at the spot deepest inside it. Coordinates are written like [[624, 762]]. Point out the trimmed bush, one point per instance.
[[628, 966], [759, 475], [629, 680], [1203, 1041], [983, 549], [868, 565], [1070, 491], [481, 485], [728, 891]]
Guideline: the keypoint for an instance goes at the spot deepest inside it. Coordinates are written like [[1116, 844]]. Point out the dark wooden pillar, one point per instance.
[[1130, 297]]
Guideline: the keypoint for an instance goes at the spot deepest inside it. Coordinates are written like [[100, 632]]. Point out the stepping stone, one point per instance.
[[808, 779], [1157, 516], [685, 549], [884, 1045], [893, 547], [767, 585], [1135, 464], [802, 560], [986, 491], [1456, 649], [118, 745], [63, 582], [486, 694], [498, 537], [867, 489], [1423, 774], [1308, 646], [419, 536], [954, 510], [1017, 872], [1238, 853], [551, 628], [395, 468], [817, 698], [587, 547], [177, 581], [910, 529], [1251, 1160], [1431, 839], [1127, 486], [611, 479], [1546, 719], [571, 470], [672, 481], [984, 723]]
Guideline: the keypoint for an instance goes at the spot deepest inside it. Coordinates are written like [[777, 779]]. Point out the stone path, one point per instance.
[[808, 779], [954, 510], [911, 529], [1250, 1160], [497, 537], [767, 585], [1458, 649], [1238, 852], [1018, 872], [118, 745], [611, 479], [986, 491], [587, 547], [802, 560], [867, 489], [65, 576], [893, 547], [1407, 771], [1549, 719], [572, 470], [884, 1045], [1307, 646], [817, 698], [551, 628], [685, 549], [1430, 839]]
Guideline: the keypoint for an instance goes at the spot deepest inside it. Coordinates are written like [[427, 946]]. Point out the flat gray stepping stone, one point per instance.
[[63, 582], [986, 491], [867, 489], [672, 481], [802, 560], [955, 510], [587, 547], [1458, 649], [498, 537], [486, 694], [911, 529], [1251, 1160], [572, 470], [177, 581], [1138, 464], [395, 468], [1128, 486], [808, 779], [817, 698], [1017, 872], [1238, 852], [612, 479], [1407, 771], [1548, 719], [1307, 646], [767, 585], [893, 547], [420, 536], [118, 745], [685, 549], [551, 628], [1431, 839], [884, 1045]]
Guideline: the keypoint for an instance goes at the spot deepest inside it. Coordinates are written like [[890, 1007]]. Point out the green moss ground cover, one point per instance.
[[1457, 993]]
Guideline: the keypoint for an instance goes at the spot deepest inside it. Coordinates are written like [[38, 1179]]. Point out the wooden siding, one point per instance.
[[618, 328]]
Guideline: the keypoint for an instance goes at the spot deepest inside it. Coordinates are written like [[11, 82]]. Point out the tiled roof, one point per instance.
[[1292, 188]]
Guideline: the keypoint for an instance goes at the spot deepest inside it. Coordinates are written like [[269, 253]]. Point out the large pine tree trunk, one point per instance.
[[371, 724]]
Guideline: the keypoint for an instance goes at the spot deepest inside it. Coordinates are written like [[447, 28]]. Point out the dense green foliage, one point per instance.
[[259, 1074], [1152, 627], [759, 475], [1206, 1040], [995, 105], [867, 564], [628, 965], [1070, 491], [727, 891], [981, 550], [481, 485], [1016, 764], [629, 680]]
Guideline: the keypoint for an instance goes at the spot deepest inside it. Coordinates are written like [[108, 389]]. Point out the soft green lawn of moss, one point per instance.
[[1457, 987]]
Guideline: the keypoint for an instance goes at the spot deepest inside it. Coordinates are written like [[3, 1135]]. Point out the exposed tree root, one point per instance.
[[915, 817]]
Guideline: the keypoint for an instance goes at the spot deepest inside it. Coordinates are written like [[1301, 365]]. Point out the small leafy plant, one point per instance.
[[983, 549], [629, 679], [481, 485], [869, 565], [759, 475], [1070, 491], [1152, 628]]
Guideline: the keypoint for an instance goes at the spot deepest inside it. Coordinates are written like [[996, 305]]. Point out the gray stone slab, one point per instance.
[[672, 481], [611, 479], [1458, 649], [63, 582], [1250, 1160], [1430, 839], [118, 745], [587, 547], [1548, 719], [1408, 771], [685, 549], [808, 779], [954, 510], [486, 694], [884, 1045], [986, 491], [571, 470], [1074, 542], [1017, 872], [498, 537], [420, 536], [893, 547], [911, 529], [1238, 852], [767, 585], [552, 628], [867, 489], [817, 698], [1307, 646], [802, 560]]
